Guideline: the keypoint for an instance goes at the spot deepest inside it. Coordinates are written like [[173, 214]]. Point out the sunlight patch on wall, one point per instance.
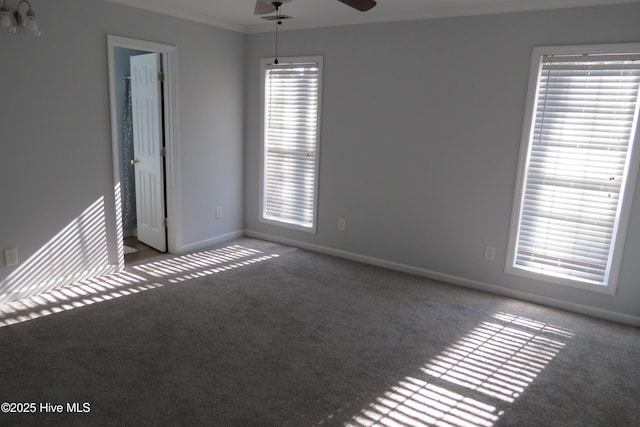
[[117, 193], [471, 383], [77, 252], [204, 263]]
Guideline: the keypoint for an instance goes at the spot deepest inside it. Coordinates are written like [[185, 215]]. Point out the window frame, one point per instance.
[[264, 62], [626, 192]]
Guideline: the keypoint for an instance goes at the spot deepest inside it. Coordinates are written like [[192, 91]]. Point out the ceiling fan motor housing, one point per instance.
[[267, 6], [279, 3]]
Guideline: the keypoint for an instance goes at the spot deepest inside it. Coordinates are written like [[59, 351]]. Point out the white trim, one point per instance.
[[453, 280], [170, 64], [264, 62], [627, 191], [445, 10], [57, 283], [202, 244]]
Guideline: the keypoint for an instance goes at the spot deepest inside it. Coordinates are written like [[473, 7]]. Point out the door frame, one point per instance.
[[172, 200]]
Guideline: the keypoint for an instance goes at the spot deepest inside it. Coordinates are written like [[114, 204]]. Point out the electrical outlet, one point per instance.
[[10, 257], [342, 224], [489, 253], [218, 212]]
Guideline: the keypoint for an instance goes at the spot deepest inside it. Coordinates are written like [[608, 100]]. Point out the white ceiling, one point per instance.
[[238, 15]]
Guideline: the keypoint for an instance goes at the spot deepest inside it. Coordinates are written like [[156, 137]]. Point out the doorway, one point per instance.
[[146, 214]]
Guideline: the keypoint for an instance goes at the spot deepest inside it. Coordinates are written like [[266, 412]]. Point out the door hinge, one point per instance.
[[163, 152], [166, 222], [161, 77]]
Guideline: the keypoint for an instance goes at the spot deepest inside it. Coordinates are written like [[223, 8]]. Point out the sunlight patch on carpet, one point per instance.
[[80, 294], [204, 263], [497, 361], [169, 271]]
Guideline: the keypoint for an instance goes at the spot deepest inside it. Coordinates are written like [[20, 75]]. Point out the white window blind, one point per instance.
[[292, 101], [579, 150]]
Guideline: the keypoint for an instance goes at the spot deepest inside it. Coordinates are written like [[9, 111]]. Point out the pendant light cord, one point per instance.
[[277, 24]]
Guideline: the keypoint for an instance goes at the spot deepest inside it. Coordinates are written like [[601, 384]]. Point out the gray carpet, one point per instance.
[[254, 333]]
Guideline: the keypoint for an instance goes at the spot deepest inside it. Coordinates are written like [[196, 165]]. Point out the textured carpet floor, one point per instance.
[[254, 333]]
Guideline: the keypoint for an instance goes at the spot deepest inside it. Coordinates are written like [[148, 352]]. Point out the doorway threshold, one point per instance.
[[136, 251]]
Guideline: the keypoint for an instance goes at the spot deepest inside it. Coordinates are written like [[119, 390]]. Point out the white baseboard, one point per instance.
[[455, 280], [53, 284], [210, 242]]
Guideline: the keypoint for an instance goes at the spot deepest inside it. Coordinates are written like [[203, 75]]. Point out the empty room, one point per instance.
[[320, 213]]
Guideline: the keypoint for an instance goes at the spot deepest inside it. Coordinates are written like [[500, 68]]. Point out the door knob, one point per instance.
[[135, 161]]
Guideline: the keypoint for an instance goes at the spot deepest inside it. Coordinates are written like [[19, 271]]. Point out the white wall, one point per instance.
[[56, 197], [421, 127]]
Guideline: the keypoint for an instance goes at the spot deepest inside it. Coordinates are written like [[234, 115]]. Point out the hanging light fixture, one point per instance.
[[268, 6], [277, 4], [12, 20]]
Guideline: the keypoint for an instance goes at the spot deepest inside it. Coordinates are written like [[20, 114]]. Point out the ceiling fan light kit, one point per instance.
[[264, 7]]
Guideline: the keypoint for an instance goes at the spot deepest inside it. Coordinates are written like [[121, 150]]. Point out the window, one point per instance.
[[292, 92], [576, 172]]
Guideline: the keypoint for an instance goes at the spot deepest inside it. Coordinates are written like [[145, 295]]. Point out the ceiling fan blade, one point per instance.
[[361, 5], [262, 8]]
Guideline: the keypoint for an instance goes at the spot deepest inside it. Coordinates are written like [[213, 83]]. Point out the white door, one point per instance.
[[146, 102]]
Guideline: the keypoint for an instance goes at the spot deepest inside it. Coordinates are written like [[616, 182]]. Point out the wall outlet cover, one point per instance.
[[489, 253], [10, 257]]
